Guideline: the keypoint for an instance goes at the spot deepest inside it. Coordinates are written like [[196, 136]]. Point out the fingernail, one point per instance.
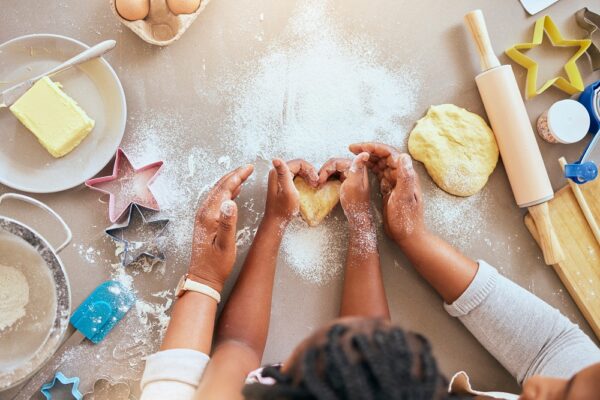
[[355, 164], [227, 208], [276, 163], [407, 162]]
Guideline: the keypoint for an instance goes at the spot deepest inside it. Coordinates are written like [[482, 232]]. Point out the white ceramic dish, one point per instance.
[[24, 164], [161, 27]]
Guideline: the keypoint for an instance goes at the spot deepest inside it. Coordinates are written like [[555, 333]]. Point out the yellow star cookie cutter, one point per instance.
[[574, 83]]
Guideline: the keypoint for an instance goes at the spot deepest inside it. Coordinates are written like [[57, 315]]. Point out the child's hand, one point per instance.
[[354, 192], [213, 247], [283, 200], [402, 199]]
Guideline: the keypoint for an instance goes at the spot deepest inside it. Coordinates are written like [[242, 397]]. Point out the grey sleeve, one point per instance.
[[524, 333]]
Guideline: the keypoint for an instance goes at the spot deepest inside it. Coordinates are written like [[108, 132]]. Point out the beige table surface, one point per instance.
[[178, 91]]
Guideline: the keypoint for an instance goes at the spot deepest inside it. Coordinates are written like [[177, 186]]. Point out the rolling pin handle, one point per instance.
[[475, 21], [551, 248]]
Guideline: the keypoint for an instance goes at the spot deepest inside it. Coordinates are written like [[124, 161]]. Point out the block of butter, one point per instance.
[[53, 117]]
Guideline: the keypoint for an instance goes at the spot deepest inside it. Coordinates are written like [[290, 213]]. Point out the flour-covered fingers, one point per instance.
[[383, 160], [285, 179], [334, 166], [232, 182], [385, 187], [227, 228], [227, 188], [358, 169], [236, 193], [304, 169], [406, 182], [379, 150]]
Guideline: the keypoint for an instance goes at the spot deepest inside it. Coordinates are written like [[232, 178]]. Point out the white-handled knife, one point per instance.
[[12, 94], [535, 6]]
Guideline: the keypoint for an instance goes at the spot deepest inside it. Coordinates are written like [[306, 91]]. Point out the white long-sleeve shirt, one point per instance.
[[525, 334]]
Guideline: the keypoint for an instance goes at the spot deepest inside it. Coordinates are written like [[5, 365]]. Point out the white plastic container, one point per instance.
[[567, 121]]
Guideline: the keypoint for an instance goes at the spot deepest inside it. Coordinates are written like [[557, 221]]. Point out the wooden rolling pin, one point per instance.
[[518, 147]]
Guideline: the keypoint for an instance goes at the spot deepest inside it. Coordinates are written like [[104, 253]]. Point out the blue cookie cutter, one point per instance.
[[101, 311], [585, 170], [59, 377]]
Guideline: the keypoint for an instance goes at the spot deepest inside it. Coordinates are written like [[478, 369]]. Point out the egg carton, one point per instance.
[[161, 27]]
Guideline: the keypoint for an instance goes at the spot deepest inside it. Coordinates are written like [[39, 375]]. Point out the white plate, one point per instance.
[[24, 163]]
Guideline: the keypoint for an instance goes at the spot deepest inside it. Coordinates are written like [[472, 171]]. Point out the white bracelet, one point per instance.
[[186, 284]]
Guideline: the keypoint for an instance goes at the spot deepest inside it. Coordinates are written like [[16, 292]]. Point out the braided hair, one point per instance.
[[383, 364]]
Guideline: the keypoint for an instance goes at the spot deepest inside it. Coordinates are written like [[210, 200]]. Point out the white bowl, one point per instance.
[[24, 164]]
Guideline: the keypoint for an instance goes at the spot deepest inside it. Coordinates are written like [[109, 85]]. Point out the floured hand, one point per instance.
[[402, 198], [283, 200], [213, 247], [354, 192]]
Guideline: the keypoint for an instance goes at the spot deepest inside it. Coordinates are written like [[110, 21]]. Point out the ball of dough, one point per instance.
[[457, 147]]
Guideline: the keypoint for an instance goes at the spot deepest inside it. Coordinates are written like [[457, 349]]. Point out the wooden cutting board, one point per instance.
[[580, 269]]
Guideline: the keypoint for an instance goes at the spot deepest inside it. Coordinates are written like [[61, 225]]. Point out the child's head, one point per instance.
[[356, 358]]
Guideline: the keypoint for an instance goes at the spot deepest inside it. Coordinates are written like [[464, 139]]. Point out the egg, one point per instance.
[[183, 6], [133, 10]]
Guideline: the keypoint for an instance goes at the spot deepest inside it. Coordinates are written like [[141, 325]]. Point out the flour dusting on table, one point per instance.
[[313, 98], [312, 94], [460, 220], [121, 355], [316, 254]]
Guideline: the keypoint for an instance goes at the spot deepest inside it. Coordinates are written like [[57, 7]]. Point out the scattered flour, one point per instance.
[[313, 93], [244, 236], [459, 220], [14, 296], [90, 254], [312, 98], [188, 173], [121, 355], [316, 254]]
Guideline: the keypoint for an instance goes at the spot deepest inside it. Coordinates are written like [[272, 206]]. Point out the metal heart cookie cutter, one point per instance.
[[585, 170], [107, 389], [590, 22], [139, 236]]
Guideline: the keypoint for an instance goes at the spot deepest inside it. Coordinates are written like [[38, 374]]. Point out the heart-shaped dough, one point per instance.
[[316, 204]]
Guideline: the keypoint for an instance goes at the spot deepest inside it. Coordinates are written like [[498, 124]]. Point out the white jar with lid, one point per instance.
[[567, 121]]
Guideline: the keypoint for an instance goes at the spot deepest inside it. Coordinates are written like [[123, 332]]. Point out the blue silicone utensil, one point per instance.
[[585, 170], [93, 319], [102, 310]]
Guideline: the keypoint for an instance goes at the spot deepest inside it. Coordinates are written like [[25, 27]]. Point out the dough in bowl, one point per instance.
[[457, 148]]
